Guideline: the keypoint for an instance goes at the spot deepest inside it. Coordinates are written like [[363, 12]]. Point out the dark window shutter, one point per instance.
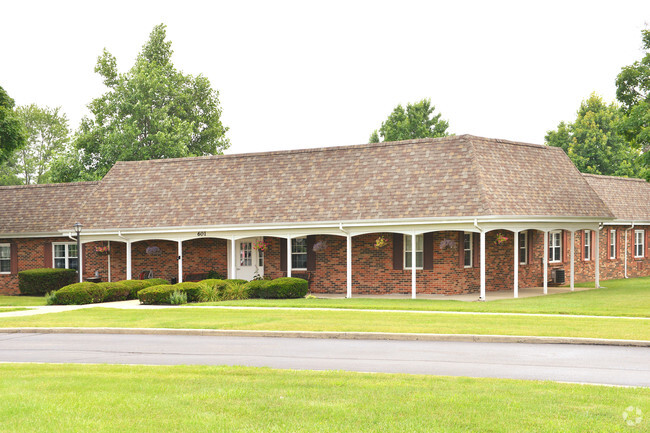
[[283, 254], [593, 237], [427, 251], [461, 249], [531, 237], [477, 253], [311, 255], [13, 254], [565, 244], [398, 251], [47, 255]]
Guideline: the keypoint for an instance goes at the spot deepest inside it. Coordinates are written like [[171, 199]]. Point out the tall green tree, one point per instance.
[[152, 111], [12, 131], [594, 143], [416, 121], [633, 92], [47, 134]]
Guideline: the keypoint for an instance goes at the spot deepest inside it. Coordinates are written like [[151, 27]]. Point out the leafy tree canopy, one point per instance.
[[152, 111], [12, 131], [594, 143], [633, 92], [416, 121]]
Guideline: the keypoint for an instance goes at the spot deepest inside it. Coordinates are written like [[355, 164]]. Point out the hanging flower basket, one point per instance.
[[260, 246], [153, 251], [448, 244], [103, 251], [380, 242], [320, 246], [500, 239]]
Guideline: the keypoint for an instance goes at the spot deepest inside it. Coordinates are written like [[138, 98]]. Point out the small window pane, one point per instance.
[[59, 263], [523, 248], [73, 264], [72, 250], [260, 258], [5, 252], [299, 253], [59, 251], [299, 261], [246, 254]]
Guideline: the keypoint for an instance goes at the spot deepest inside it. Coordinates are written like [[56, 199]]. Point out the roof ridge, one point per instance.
[[478, 168], [605, 176], [49, 185], [504, 141]]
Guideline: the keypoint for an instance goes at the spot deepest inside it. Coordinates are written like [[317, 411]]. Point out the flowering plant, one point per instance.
[[380, 242], [153, 251], [102, 250], [448, 244], [260, 246], [500, 239], [320, 246]]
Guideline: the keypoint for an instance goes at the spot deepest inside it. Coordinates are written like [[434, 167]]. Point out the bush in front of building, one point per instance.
[[162, 294], [115, 291], [136, 285], [283, 288], [253, 287], [195, 292], [80, 293], [38, 282]]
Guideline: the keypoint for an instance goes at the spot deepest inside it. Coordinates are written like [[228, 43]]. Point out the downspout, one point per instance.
[[626, 248]]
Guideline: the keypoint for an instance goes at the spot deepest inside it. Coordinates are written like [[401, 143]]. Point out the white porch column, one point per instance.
[[545, 262], [413, 266], [233, 258], [180, 261], [573, 256], [81, 262], [289, 257], [128, 260], [109, 261], [482, 260], [516, 268], [349, 265], [597, 264]]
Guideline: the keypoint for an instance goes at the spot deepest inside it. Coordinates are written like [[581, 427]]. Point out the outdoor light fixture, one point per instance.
[[77, 229]]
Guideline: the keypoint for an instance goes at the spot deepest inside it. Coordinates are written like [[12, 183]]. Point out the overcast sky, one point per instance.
[[309, 74]]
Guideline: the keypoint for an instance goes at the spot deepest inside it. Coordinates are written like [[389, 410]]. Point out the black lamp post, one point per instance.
[[77, 229]]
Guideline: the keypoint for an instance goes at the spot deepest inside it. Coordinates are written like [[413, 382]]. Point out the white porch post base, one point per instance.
[[597, 264], [288, 257], [573, 243], [516, 265], [413, 267], [545, 262], [180, 261], [349, 265], [482, 259], [128, 260]]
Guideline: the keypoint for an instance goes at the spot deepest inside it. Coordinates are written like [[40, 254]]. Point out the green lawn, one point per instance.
[[21, 301], [8, 309], [342, 321], [629, 297], [103, 398]]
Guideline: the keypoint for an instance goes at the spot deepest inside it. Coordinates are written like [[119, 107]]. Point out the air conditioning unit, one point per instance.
[[558, 276]]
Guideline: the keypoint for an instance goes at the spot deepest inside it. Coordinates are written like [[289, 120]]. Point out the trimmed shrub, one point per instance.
[[255, 286], [115, 292], [236, 282], [156, 294], [234, 292], [134, 287], [155, 282], [195, 292], [283, 288], [38, 282], [50, 298], [80, 293]]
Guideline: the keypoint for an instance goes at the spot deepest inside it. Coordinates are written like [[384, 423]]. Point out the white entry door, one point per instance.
[[249, 261]]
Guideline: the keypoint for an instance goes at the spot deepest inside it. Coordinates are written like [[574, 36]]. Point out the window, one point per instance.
[[587, 244], [65, 256], [246, 254], [299, 253], [419, 259], [5, 259], [523, 248], [260, 258], [639, 244], [555, 246], [612, 244], [468, 247]]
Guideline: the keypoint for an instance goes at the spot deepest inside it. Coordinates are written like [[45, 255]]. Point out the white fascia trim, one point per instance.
[[626, 223], [337, 224], [33, 235]]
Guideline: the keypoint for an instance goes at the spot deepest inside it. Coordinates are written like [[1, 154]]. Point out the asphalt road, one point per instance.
[[571, 363]]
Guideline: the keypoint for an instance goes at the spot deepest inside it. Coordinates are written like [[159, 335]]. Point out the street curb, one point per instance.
[[335, 335]]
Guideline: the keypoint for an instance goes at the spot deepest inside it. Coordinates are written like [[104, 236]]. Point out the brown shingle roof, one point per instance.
[[627, 198], [41, 208], [458, 176]]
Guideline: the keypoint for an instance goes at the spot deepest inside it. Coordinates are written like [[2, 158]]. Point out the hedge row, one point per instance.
[[91, 293], [38, 282]]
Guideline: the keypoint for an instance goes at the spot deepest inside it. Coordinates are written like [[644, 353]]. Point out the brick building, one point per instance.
[[481, 215]]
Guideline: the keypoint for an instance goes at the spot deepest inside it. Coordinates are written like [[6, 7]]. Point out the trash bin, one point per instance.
[[174, 280]]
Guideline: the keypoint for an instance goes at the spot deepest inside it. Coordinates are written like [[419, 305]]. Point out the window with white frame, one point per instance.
[[587, 245], [523, 247], [555, 246], [639, 243], [468, 249], [5, 259], [612, 244], [260, 258], [245, 254], [66, 256], [299, 253], [419, 251]]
